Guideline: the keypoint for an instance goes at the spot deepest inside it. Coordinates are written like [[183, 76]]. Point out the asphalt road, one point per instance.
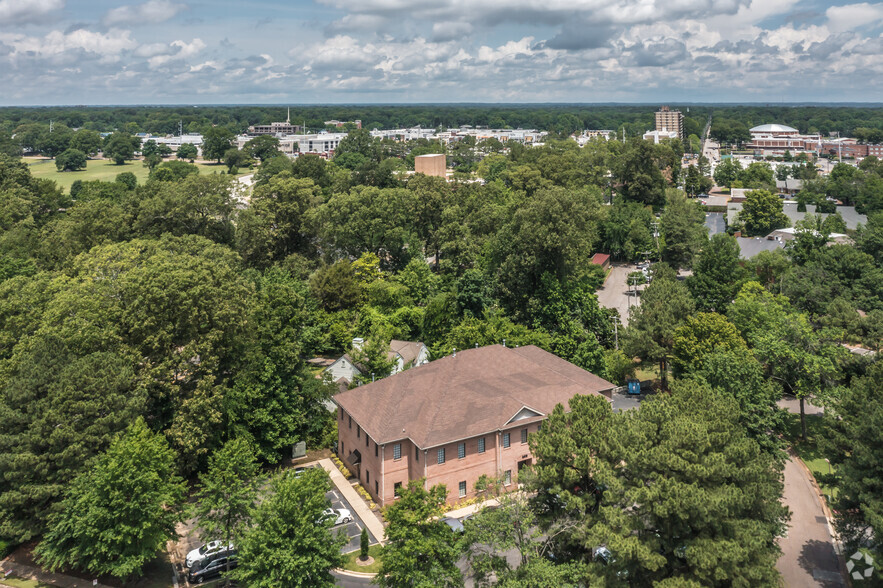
[[808, 556], [615, 293]]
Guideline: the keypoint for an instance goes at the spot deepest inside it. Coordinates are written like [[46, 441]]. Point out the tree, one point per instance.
[[700, 335], [762, 213], [691, 184], [59, 409], [758, 175], [737, 374], [784, 342], [187, 151], [363, 544], [683, 230], [640, 178], [151, 148], [262, 148], [726, 172], [87, 141], [173, 171], [120, 147], [717, 274], [357, 142], [234, 159], [421, 551], [289, 542], [665, 305], [127, 179], [227, 492], [854, 442], [117, 515], [215, 143], [70, 160], [675, 491], [552, 233]]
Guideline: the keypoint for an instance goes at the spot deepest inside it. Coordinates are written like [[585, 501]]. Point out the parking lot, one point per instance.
[[353, 529]]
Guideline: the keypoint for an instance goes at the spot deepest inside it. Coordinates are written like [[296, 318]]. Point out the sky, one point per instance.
[[96, 52]]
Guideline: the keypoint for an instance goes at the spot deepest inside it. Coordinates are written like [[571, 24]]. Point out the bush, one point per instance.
[[70, 160]]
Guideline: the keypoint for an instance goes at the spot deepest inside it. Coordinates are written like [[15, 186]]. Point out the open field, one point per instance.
[[102, 169]]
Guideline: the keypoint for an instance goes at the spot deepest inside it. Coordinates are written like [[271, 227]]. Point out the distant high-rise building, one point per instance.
[[671, 121]]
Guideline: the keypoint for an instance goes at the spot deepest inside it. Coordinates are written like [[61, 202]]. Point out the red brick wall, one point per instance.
[[378, 474]]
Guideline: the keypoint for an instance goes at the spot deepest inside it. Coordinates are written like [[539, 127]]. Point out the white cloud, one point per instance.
[[17, 12], [151, 12], [853, 16], [176, 50], [109, 44]]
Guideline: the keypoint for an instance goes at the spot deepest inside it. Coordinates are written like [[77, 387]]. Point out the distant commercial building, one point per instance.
[[433, 164], [670, 120], [276, 128], [657, 136], [341, 123]]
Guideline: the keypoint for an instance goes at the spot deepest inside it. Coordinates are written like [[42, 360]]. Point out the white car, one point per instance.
[[340, 515], [208, 550]]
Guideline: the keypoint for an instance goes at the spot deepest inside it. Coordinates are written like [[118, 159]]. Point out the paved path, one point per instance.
[[374, 524], [808, 556]]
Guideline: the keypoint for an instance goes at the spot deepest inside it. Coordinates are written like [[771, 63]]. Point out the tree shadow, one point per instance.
[[819, 559]]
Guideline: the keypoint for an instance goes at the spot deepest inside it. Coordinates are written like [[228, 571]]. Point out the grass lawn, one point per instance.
[[647, 372], [809, 451], [349, 562], [104, 170]]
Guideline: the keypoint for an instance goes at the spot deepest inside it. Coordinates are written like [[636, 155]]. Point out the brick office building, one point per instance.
[[454, 419]]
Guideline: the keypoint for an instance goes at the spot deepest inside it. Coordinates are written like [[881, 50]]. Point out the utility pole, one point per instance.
[[655, 225]]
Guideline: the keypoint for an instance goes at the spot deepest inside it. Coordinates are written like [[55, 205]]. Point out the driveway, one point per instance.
[[615, 293], [808, 556]]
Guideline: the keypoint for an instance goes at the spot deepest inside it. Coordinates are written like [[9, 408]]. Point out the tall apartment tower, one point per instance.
[[670, 120]]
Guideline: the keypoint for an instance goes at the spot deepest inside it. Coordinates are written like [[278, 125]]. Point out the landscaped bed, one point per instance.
[[351, 561]]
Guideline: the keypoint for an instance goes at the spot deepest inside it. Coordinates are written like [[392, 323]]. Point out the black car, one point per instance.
[[201, 571]]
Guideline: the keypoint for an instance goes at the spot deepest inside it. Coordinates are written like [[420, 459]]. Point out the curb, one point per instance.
[[829, 517], [352, 574]]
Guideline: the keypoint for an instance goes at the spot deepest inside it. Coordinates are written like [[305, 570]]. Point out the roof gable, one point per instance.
[[524, 413]]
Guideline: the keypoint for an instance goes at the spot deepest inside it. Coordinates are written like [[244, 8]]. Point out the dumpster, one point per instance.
[[634, 386]]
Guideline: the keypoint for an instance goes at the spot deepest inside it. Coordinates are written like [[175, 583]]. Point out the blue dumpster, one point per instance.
[[634, 386]]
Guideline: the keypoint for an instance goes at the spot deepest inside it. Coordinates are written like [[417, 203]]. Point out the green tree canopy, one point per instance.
[[762, 213], [289, 542], [421, 551], [118, 514]]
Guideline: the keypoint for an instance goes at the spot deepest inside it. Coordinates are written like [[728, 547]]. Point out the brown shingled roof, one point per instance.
[[475, 392]]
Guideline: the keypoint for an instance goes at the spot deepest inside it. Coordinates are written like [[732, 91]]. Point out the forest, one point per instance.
[[176, 316]]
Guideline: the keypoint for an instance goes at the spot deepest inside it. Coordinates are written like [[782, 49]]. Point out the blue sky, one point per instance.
[[391, 51]]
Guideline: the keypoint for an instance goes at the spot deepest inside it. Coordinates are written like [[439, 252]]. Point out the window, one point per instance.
[[481, 445], [367, 441], [359, 432], [461, 450], [376, 487], [524, 435], [397, 489], [351, 421], [507, 477], [341, 448], [397, 451], [367, 477], [462, 489], [505, 439], [416, 454], [376, 450], [441, 455], [341, 413]]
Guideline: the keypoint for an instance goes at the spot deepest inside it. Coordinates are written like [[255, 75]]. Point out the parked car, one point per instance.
[[455, 524], [207, 552], [206, 569], [340, 515]]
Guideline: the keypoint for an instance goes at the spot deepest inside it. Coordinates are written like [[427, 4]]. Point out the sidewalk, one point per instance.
[[31, 573], [368, 517], [471, 509]]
